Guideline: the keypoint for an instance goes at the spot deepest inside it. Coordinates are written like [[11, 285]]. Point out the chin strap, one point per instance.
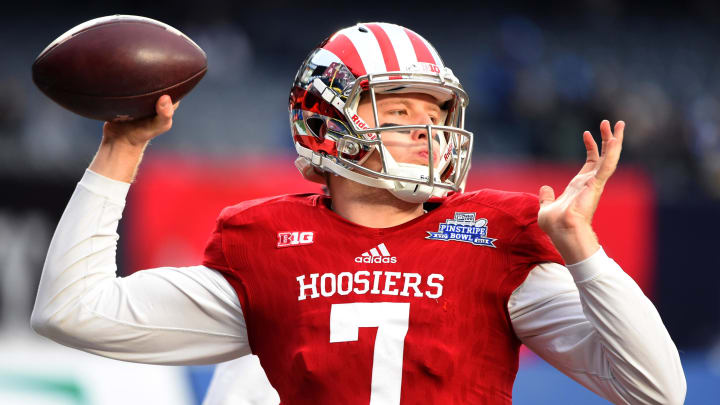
[[322, 162], [308, 171], [406, 191]]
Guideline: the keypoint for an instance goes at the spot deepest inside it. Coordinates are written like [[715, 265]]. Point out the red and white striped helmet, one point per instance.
[[374, 58]]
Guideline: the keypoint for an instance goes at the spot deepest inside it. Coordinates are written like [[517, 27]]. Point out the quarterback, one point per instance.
[[395, 288]]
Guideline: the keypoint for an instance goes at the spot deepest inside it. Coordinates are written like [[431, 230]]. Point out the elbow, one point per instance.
[[663, 383], [673, 388], [41, 323], [670, 389], [52, 327], [671, 396], [674, 394]]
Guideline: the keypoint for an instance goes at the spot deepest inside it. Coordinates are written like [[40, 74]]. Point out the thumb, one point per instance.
[[161, 122], [546, 195], [164, 108]]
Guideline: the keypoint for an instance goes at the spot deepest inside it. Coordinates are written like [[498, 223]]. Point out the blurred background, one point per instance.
[[537, 75]]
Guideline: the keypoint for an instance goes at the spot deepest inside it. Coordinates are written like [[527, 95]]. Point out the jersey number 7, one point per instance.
[[391, 319]]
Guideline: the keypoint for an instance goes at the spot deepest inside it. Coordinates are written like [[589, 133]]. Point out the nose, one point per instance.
[[421, 134]]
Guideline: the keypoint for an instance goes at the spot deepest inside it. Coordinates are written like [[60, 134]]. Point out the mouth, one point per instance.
[[414, 152], [422, 157]]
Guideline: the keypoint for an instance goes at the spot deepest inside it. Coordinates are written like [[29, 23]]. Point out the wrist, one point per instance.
[[118, 160], [575, 244], [124, 143]]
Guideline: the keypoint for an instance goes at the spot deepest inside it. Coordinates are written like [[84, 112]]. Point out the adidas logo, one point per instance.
[[377, 254]]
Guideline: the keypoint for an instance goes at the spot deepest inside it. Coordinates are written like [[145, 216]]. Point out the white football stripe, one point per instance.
[[383, 249], [403, 47], [368, 48], [374, 252], [366, 254], [435, 55]]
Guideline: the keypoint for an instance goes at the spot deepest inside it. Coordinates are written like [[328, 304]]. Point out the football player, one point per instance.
[[396, 288]]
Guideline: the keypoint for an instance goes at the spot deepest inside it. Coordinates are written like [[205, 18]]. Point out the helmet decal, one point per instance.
[[381, 47], [386, 47]]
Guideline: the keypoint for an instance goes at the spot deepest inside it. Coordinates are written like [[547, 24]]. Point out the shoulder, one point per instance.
[[521, 208], [268, 206]]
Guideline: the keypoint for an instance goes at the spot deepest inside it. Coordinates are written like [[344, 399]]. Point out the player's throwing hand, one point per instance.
[[123, 143], [139, 132]]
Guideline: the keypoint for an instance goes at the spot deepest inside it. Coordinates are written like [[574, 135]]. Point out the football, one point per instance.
[[115, 68]]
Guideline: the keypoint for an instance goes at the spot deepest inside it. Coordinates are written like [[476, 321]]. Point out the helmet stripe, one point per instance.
[[368, 48], [343, 48], [421, 48], [436, 56], [388, 52], [401, 43]]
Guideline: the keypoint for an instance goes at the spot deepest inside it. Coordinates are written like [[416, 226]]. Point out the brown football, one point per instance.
[[116, 67]]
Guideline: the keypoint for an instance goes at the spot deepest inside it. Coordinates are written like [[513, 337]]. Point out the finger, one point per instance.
[[619, 131], [612, 156], [605, 134], [107, 129], [590, 146], [591, 149], [546, 195]]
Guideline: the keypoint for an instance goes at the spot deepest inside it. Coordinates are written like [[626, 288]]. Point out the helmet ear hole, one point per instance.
[[317, 127]]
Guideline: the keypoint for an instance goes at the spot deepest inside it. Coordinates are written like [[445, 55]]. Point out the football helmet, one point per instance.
[[362, 61]]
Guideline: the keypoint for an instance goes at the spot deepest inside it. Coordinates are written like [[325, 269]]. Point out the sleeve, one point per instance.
[[214, 256], [241, 381], [530, 245], [594, 324], [185, 315]]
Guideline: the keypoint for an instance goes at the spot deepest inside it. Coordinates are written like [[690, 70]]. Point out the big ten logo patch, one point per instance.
[[295, 238]]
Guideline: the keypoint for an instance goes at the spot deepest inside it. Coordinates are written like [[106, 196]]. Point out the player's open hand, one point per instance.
[[567, 219], [139, 132]]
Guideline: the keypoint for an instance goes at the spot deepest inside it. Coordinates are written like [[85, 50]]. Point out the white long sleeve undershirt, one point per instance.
[[591, 321]]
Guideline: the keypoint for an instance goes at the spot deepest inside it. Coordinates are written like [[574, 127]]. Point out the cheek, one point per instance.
[[365, 112], [397, 152], [373, 162], [396, 144]]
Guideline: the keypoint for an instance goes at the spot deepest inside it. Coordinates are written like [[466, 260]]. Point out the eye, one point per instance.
[[397, 112]]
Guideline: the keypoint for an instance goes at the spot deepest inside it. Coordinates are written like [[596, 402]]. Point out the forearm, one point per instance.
[[123, 143], [600, 330], [644, 362], [575, 244], [118, 159], [166, 316], [82, 251]]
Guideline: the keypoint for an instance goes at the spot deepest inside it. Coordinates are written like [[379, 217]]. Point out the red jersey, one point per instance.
[[413, 314]]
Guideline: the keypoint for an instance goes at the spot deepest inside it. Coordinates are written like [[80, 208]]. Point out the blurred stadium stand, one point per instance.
[[537, 75]]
